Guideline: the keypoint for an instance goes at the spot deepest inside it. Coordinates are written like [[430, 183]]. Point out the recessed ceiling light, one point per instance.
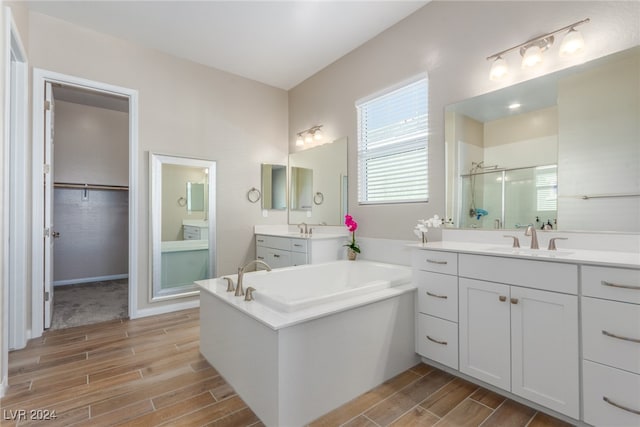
[[514, 106]]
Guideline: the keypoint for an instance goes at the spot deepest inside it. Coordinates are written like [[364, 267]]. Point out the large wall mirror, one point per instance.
[[561, 150], [183, 237], [318, 184]]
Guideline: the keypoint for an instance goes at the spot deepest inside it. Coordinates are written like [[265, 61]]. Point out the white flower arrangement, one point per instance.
[[423, 226]]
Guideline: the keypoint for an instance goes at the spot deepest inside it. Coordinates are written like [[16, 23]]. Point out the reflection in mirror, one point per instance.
[[561, 150], [195, 197], [329, 165], [274, 186], [182, 224], [301, 189]]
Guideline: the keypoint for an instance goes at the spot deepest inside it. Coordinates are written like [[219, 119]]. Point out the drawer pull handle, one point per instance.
[[609, 334], [437, 296], [297, 245], [276, 256], [435, 261], [514, 300], [260, 257], [260, 241], [436, 341], [617, 405], [502, 298], [615, 285]]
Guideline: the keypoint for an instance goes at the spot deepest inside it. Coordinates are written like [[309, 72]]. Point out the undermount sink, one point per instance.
[[530, 252]]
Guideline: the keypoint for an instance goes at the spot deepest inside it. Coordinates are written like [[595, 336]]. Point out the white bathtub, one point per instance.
[[315, 337], [293, 289]]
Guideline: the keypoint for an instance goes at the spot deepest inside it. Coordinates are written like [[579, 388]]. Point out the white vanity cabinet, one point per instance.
[[611, 345], [280, 251], [517, 336]]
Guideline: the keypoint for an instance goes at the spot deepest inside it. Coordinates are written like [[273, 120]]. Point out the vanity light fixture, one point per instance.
[[532, 50], [309, 135]]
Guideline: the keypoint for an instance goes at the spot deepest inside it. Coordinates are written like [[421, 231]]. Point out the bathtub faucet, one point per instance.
[[239, 290]]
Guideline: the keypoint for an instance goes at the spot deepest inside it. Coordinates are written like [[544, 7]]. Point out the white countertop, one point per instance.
[[278, 320], [297, 235], [572, 256]]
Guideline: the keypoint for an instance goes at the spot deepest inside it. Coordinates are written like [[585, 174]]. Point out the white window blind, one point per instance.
[[392, 146], [546, 188]]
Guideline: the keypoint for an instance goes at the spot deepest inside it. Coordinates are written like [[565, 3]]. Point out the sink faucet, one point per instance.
[[531, 231], [239, 290], [303, 230]]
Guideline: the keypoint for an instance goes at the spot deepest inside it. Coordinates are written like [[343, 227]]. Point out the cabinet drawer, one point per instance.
[[600, 320], [550, 276], [437, 340], [298, 245], [618, 387], [275, 242], [618, 284], [437, 294], [436, 261], [190, 232]]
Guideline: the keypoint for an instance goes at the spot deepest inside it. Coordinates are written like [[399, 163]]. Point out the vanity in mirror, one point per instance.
[[182, 224], [318, 184], [561, 151]]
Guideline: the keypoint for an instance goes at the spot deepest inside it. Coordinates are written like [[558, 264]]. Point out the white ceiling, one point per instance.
[[279, 43]]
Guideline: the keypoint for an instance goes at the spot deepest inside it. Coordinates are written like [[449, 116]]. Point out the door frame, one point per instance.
[[40, 76], [15, 165]]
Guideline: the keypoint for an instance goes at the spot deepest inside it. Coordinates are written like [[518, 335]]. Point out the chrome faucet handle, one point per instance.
[[516, 242], [230, 287], [552, 243], [249, 294]]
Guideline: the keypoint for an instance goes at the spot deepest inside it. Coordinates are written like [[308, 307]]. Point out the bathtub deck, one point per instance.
[[112, 372]]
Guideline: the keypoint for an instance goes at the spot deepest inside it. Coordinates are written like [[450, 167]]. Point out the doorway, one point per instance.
[[77, 93], [90, 207]]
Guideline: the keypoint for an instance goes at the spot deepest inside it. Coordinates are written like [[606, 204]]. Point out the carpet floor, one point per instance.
[[88, 303]]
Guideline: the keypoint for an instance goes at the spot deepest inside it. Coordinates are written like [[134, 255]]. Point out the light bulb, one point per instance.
[[572, 43], [532, 56], [317, 135], [299, 141], [498, 69], [308, 138]]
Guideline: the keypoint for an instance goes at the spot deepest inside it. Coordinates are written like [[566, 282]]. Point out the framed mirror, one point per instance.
[[183, 225], [325, 195], [561, 150], [274, 187]]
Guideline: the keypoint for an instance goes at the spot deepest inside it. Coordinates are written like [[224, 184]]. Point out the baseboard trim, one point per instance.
[[90, 279], [152, 311], [4, 387]]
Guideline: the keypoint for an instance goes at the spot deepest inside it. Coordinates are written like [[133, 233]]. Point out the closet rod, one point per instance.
[[90, 186]]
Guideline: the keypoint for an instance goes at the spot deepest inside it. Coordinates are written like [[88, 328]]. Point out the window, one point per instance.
[[392, 146], [546, 188]]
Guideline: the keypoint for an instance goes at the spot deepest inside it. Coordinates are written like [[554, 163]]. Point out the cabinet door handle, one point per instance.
[[609, 334], [260, 257], [435, 261], [617, 405], [514, 300], [502, 298], [615, 285], [276, 256], [437, 296], [436, 341], [260, 240]]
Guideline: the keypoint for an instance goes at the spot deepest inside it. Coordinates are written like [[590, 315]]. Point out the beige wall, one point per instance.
[[454, 56], [184, 109], [91, 145]]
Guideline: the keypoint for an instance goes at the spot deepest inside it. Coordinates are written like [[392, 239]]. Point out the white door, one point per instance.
[[49, 233], [485, 336], [544, 341]]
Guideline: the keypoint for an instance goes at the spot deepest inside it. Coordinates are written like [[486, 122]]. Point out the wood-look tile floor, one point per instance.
[[149, 372]]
